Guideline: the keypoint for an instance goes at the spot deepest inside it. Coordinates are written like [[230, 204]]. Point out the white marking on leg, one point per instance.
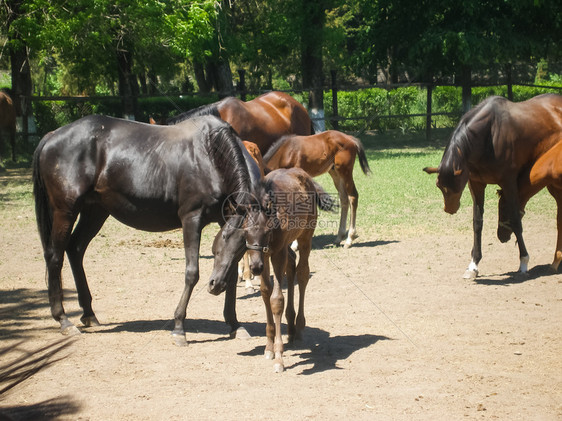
[[524, 264]]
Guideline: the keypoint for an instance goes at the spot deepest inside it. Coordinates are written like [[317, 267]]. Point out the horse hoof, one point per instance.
[[90, 321], [240, 333], [70, 330], [269, 355], [278, 367], [470, 274], [250, 290], [347, 244], [179, 339]]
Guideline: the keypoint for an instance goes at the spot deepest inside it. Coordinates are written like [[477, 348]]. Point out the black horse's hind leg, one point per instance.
[[191, 241], [54, 258], [90, 222], [477, 191]]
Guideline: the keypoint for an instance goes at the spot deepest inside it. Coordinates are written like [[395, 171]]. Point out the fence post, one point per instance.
[[242, 84], [335, 115], [428, 111], [509, 82]]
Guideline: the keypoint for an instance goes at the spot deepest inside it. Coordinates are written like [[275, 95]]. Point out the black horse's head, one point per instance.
[[245, 228]]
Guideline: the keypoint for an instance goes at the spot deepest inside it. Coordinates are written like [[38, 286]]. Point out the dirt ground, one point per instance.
[[393, 332]]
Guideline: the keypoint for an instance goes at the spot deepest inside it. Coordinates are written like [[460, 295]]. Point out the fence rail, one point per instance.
[[334, 118]]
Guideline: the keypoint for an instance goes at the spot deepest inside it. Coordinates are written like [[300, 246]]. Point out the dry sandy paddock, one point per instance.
[[394, 332]]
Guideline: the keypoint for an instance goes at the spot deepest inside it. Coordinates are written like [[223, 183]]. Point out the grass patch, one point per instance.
[[397, 199]]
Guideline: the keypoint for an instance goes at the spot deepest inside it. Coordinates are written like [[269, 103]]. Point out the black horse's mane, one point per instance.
[[208, 109], [275, 147], [224, 149]]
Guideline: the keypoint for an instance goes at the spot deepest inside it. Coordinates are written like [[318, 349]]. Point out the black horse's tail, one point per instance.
[[362, 157], [43, 210]]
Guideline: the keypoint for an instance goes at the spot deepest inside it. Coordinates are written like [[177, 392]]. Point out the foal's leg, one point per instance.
[[191, 241], [266, 289], [477, 191], [346, 175], [279, 263], [290, 313], [90, 222], [344, 204], [557, 194], [54, 257], [303, 275]]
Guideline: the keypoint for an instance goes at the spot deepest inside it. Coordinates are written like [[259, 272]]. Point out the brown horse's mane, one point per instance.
[[461, 140], [208, 109]]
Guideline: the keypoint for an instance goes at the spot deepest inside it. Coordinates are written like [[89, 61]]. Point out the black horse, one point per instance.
[[153, 178]]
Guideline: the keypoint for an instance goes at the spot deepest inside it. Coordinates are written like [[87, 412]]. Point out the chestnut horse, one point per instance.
[[7, 123], [262, 120], [333, 152], [546, 172], [292, 216], [152, 178], [493, 144]]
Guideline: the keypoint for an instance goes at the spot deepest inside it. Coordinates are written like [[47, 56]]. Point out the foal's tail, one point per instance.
[[362, 157], [324, 200], [43, 211]]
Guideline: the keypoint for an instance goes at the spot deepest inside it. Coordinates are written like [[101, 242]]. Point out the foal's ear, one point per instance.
[[430, 170]]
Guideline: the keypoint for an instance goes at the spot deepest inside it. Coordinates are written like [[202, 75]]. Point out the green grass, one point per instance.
[[397, 199]]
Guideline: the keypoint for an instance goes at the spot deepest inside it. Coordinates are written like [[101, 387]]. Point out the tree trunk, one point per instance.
[[128, 85], [466, 82], [21, 74], [201, 78], [313, 13]]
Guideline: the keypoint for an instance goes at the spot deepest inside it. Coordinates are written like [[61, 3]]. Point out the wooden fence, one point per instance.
[[27, 132]]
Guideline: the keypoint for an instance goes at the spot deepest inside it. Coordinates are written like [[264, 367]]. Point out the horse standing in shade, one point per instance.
[[7, 123], [493, 144], [262, 120], [153, 178], [546, 172], [333, 152], [292, 216]]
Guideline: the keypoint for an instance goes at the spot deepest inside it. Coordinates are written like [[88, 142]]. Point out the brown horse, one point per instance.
[[332, 152], [493, 144], [546, 172], [292, 216], [262, 120], [7, 122]]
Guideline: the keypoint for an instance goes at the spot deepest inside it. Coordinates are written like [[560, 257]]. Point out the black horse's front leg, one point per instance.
[[229, 313], [191, 241], [477, 190]]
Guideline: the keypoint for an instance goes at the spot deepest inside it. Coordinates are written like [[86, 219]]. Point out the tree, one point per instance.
[[19, 60]]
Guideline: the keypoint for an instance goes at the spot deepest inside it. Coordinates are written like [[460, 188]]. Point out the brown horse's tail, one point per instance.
[[362, 157], [43, 210]]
